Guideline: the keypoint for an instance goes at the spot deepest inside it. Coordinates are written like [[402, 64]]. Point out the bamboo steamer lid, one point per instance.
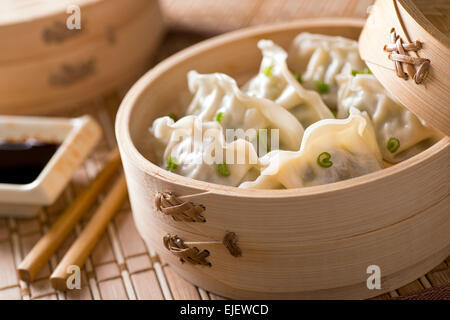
[[406, 45], [47, 67], [34, 28]]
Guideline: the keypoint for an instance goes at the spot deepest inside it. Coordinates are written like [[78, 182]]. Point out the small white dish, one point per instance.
[[76, 136]]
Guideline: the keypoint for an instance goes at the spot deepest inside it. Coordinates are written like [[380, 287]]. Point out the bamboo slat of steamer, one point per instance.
[[220, 16]]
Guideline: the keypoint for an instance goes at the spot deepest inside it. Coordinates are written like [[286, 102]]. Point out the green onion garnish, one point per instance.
[[219, 117], [268, 71], [393, 144], [263, 140], [324, 161], [172, 164], [222, 169], [363, 71], [298, 76], [334, 112], [322, 87], [173, 116]]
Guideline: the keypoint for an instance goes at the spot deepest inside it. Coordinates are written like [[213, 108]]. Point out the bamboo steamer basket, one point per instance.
[[45, 66], [314, 242]]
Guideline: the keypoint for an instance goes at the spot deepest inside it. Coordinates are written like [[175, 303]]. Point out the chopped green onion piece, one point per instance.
[[322, 87], [268, 71], [219, 117], [264, 140], [363, 71], [172, 164], [324, 161], [393, 144], [222, 169], [334, 112], [298, 76], [173, 116]]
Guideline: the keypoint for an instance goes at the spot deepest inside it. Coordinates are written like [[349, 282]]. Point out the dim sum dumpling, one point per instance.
[[198, 150], [332, 150], [218, 98], [400, 133], [275, 82], [319, 59]]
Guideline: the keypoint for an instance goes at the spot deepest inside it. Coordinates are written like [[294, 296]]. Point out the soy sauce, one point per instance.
[[21, 162]]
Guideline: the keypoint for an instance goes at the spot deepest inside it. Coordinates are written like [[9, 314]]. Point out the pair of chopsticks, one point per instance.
[[82, 247]]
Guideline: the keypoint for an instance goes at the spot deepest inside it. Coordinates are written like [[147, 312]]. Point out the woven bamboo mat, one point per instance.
[[121, 266]]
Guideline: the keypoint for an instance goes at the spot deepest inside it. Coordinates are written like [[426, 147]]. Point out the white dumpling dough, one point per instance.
[[349, 148], [391, 120], [218, 95], [321, 58], [198, 147], [275, 82]]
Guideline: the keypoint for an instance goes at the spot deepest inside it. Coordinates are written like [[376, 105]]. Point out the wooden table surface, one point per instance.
[[122, 266]]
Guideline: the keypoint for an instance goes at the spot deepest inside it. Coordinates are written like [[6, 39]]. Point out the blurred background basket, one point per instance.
[[45, 66]]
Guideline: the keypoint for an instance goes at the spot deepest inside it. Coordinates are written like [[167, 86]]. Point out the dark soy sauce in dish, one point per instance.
[[21, 162]]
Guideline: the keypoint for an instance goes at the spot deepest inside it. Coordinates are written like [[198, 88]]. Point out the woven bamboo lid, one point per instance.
[[406, 45]]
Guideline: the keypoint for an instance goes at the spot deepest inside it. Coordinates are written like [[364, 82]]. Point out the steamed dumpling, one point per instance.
[[218, 98], [319, 59], [400, 133], [198, 150], [332, 150], [275, 82]]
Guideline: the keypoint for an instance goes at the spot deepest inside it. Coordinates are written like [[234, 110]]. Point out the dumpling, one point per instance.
[[275, 82], [332, 150], [198, 150], [218, 98], [319, 59], [400, 133]]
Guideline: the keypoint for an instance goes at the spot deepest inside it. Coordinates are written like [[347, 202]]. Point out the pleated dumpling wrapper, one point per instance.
[[218, 98], [198, 150], [400, 133], [275, 82], [319, 59], [332, 150]]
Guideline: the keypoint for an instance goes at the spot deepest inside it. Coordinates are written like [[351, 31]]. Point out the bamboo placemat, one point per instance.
[[121, 266]]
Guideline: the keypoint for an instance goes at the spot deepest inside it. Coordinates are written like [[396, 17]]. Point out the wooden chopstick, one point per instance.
[[82, 247], [47, 245]]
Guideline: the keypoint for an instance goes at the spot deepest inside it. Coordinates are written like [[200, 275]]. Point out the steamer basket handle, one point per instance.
[[179, 210], [192, 255], [195, 256]]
